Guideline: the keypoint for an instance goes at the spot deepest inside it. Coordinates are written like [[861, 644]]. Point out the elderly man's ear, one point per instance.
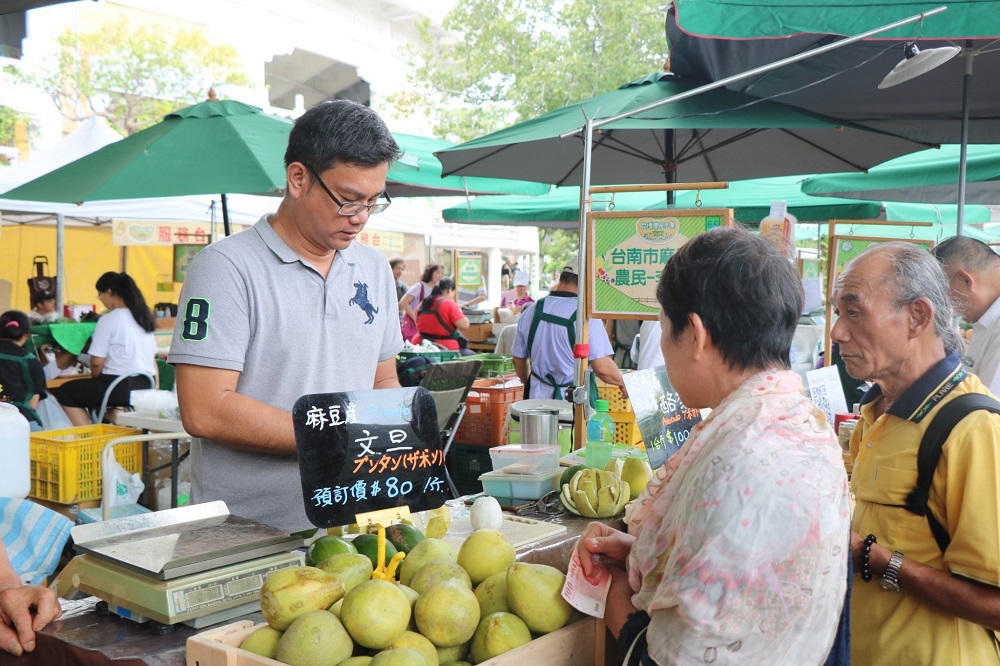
[[921, 317]]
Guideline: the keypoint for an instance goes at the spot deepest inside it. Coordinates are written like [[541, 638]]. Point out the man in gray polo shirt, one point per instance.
[[287, 308]]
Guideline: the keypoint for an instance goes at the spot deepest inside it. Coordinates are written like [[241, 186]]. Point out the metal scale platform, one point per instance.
[[196, 565]]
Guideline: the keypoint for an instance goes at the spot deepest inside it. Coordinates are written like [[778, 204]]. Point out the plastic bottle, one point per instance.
[[15, 445], [600, 436]]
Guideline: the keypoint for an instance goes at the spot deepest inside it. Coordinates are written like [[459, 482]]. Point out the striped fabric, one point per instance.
[[34, 537]]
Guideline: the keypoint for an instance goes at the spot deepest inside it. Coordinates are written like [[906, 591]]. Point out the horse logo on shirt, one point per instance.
[[361, 300]]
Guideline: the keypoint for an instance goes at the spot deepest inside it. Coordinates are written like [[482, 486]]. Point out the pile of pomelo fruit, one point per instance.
[[437, 607]]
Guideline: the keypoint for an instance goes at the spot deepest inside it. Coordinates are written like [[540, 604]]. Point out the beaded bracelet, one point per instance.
[[866, 554]]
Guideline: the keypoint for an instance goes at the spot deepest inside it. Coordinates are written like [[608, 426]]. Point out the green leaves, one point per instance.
[[134, 75], [517, 59]]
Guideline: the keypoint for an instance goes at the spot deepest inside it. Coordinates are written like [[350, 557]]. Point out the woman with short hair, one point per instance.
[[736, 551], [122, 344], [415, 295]]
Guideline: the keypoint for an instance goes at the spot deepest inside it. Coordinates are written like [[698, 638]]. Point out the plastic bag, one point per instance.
[[52, 414], [126, 487]]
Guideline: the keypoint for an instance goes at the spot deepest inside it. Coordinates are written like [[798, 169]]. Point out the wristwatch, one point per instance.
[[889, 580]]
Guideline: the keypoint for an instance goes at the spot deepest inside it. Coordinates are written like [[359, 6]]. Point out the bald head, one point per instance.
[[972, 269]]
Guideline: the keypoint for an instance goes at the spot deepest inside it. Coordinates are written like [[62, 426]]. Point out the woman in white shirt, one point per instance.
[[122, 344]]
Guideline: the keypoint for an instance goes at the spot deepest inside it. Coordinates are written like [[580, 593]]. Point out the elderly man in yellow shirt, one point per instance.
[[913, 603]]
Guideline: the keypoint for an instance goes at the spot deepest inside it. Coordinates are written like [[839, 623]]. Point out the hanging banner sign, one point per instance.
[[664, 421], [387, 241], [365, 451], [628, 251], [146, 232]]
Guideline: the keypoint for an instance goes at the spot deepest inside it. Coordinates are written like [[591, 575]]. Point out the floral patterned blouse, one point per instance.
[[742, 537]]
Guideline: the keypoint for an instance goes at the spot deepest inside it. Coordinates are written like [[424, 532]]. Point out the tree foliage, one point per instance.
[[8, 128], [517, 59], [134, 75]]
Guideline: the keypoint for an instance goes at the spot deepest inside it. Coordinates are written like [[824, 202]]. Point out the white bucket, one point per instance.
[[15, 450]]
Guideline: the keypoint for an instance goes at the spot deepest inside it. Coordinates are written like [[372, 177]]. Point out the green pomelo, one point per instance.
[[401, 657], [454, 653], [357, 661], [421, 554], [534, 594], [438, 571], [485, 553], [492, 594], [293, 591], [447, 613], [404, 537], [498, 633], [352, 568], [335, 608], [568, 474], [316, 638], [367, 544], [263, 641], [325, 546], [375, 613], [414, 641]]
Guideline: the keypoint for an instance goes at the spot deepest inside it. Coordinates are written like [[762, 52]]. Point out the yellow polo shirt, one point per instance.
[[895, 627]]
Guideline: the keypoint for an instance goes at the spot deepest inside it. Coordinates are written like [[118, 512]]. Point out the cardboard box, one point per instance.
[[71, 511], [579, 644], [478, 332]]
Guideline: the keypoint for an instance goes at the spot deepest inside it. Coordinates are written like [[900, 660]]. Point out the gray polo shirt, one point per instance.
[[251, 304]]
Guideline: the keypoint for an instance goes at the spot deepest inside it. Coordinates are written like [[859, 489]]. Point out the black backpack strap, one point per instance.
[[929, 455]]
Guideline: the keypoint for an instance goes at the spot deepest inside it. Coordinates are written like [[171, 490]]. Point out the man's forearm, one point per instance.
[[521, 369], [950, 594], [243, 423]]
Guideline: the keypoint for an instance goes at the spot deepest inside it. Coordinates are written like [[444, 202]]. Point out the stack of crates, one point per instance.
[[66, 464], [483, 426], [620, 410]]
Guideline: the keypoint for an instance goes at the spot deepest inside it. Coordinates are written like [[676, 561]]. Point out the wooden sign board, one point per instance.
[[628, 250], [664, 421], [364, 451]]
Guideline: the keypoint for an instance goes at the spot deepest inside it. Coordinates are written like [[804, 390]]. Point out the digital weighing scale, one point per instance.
[[196, 565]]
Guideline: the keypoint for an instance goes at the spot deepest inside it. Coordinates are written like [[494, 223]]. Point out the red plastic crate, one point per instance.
[[486, 409]]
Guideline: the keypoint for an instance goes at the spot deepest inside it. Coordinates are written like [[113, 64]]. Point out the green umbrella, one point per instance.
[[930, 175], [210, 148], [750, 200], [717, 135], [418, 174], [716, 39]]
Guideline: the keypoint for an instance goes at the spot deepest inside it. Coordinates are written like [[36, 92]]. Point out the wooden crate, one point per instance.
[[579, 644]]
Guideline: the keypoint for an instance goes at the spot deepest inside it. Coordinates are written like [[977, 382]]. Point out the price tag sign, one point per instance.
[[664, 421], [363, 451]]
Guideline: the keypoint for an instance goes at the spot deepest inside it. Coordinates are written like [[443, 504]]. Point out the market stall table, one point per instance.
[[83, 627]]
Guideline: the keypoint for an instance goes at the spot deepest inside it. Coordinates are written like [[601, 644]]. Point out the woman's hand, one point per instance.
[[599, 539], [17, 624]]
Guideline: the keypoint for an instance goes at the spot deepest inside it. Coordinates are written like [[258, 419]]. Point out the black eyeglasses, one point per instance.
[[351, 208]]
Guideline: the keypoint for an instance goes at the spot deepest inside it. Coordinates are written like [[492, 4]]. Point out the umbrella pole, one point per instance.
[[60, 263], [225, 215], [963, 150], [580, 393]]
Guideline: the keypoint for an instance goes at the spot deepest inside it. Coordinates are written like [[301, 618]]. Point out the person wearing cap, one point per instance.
[[546, 335], [518, 297]]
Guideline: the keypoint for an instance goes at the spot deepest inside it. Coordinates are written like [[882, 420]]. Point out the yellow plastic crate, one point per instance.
[[66, 464], [613, 394], [628, 433]]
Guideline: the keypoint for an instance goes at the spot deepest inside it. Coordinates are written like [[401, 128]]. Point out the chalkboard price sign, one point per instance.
[[364, 451], [664, 421]]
